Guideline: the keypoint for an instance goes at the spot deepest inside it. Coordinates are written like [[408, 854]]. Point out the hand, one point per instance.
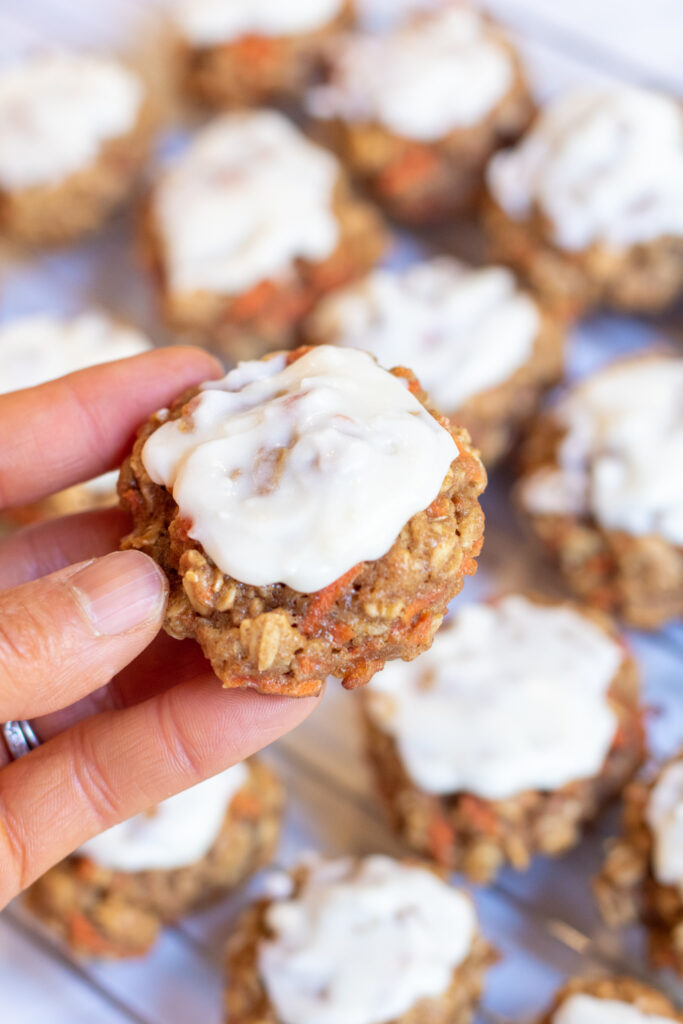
[[127, 715]]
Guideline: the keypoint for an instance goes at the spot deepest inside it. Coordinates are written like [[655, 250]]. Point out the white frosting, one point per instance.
[[57, 111], [621, 457], [585, 1009], [35, 349], [295, 474], [664, 815], [362, 944], [602, 165], [462, 331], [178, 832], [249, 197], [207, 22], [421, 81], [510, 697]]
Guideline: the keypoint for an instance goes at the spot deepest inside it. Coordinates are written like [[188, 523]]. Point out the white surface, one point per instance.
[[295, 474], [460, 330], [511, 696], [363, 943], [544, 921], [175, 833], [223, 226], [422, 81]]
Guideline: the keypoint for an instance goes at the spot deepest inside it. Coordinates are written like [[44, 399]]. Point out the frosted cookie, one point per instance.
[[74, 134], [602, 488], [416, 112], [610, 1001], [507, 736], [483, 349], [113, 895], [249, 228], [642, 876], [39, 348], [589, 205], [368, 941], [242, 53], [314, 516]]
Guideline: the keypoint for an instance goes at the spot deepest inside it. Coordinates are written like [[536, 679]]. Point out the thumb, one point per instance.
[[65, 635]]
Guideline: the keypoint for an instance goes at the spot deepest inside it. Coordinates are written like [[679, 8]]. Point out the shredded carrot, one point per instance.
[[479, 814], [246, 806], [323, 600], [250, 303], [441, 840], [84, 936], [255, 49], [416, 166]]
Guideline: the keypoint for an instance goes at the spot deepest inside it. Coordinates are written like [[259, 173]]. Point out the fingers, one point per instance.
[[65, 635], [77, 427], [120, 763], [51, 545]]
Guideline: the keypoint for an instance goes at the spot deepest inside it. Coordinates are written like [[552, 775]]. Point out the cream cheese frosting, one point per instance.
[[56, 113], [174, 834], [664, 815], [247, 199], [461, 330], [620, 457], [208, 22], [603, 165], [38, 348], [511, 697], [422, 80], [585, 1009], [363, 943], [294, 474]]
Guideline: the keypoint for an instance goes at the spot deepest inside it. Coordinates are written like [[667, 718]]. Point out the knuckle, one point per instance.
[[91, 780], [14, 872], [187, 761]]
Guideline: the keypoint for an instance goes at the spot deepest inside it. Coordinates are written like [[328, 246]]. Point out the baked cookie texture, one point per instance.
[[451, 322], [114, 914], [627, 889], [618, 550], [247, 1000], [64, 207], [255, 68], [479, 836], [420, 177], [264, 313], [624, 990], [278, 640], [587, 206]]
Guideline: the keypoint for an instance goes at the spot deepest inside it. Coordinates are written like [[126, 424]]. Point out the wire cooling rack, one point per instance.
[[543, 922]]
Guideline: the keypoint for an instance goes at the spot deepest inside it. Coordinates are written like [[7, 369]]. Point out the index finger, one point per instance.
[[72, 429]]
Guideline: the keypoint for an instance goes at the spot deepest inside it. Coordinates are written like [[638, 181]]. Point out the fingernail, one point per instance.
[[120, 591]]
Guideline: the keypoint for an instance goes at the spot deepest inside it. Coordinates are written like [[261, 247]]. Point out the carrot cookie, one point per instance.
[[112, 897], [507, 736], [243, 53], [482, 348], [603, 490], [642, 877], [372, 941], [74, 132], [35, 349], [313, 514], [610, 1001], [417, 112], [589, 205], [249, 228]]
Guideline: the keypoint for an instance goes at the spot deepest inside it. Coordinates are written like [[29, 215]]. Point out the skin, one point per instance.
[[127, 716]]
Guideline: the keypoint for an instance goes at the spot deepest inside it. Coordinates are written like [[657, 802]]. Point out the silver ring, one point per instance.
[[20, 739]]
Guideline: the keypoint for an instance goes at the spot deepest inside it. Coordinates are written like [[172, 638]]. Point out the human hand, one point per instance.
[[126, 715]]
